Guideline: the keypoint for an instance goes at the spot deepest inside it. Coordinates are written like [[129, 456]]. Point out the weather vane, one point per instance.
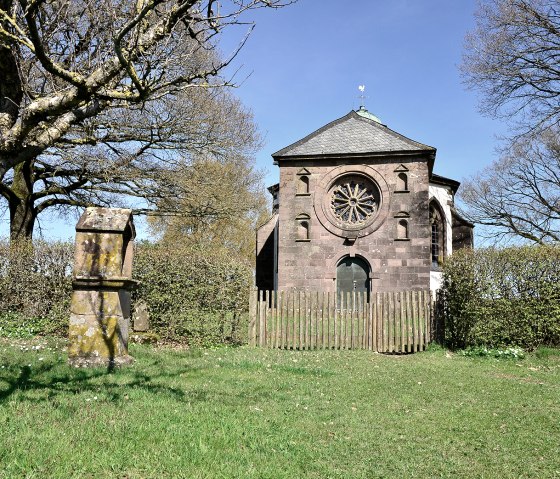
[[362, 97]]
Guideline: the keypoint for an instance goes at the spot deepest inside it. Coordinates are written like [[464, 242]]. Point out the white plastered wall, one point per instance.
[[444, 196]]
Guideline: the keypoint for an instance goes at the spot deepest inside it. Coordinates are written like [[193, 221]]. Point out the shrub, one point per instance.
[[35, 288], [193, 295], [501, 297]]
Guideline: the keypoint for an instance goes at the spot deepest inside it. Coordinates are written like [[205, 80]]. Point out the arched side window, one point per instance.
[[402, 182], [402, 179], [402, 218], [303, 230], [437, 225], [302, 186], [303, 227], [402, 229]]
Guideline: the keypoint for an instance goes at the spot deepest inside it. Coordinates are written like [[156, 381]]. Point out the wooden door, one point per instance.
[[352, 275]]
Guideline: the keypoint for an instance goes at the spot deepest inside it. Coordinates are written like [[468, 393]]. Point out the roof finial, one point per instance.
[[362, 97]]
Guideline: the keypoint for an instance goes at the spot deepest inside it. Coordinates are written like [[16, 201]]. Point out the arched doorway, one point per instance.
[[352, 275]]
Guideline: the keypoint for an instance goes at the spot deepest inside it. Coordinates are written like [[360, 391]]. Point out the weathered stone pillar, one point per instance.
[[102, 280]]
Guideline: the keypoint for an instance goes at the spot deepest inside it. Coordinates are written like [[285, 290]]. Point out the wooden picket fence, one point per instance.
[[385, 322]]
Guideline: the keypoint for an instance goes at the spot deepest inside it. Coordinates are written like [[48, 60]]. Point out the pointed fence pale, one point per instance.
[[394, 322]]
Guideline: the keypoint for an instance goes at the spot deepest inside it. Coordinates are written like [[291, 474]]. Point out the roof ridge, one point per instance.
[[395, 133], [383, 129], [312, 134]]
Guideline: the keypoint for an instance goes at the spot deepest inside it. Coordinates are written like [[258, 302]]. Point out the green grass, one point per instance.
[[545, 353], [253, 413]]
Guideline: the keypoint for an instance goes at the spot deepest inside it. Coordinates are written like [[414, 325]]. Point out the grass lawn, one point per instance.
[[254, 413]]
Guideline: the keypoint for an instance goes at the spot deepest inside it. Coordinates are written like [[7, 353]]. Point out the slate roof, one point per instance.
[[356, 134]]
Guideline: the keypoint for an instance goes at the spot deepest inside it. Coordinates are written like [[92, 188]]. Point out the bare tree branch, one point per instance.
[[87, 91], [519, 195], [513, 58]]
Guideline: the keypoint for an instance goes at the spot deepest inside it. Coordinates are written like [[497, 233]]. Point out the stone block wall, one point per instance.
[[397, 264]]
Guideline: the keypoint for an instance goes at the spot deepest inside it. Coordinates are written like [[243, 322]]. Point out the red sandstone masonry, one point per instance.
[[396, 265]]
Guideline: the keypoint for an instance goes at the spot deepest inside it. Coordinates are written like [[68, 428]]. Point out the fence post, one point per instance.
[[253, 317], [277, 328], [380, 318], [416, 313], [295, 332], [427, 319], [267, 318], [409, 322], [402, 296], [262, 318]]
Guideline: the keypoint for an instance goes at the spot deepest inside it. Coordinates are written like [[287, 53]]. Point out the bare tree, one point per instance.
[[80, 78], [519, 195], [137, 157], [513, 58]]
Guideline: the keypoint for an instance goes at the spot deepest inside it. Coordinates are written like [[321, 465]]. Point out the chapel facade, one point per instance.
[[358, 208]]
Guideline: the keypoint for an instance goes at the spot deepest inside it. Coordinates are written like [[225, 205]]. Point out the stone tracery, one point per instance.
[[353, 200]]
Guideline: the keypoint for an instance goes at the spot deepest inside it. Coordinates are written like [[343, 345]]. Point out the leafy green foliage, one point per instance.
[[503, 353], [501, 297], [17, 326], [35, 288], [193, 295]]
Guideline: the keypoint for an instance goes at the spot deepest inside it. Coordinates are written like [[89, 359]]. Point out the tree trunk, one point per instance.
[[22, 211], [22, 221]]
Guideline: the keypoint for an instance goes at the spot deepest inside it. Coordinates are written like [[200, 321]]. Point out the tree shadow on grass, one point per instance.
[[179, 382], [49, 380]]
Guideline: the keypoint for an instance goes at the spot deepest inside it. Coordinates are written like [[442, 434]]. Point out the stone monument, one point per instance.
[[141, 317], [102, 281]]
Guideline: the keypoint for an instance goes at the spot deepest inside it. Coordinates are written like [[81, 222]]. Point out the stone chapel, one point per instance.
[[358, 208]]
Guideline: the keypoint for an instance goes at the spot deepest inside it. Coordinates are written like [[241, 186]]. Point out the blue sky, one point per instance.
[[302, 65], [307, 60]]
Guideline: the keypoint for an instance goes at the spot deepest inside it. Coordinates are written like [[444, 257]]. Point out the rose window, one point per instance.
[[354, 200]]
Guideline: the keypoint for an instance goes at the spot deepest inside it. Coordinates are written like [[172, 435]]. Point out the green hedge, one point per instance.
[[35, 288], [501, 297], [193, 296]]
